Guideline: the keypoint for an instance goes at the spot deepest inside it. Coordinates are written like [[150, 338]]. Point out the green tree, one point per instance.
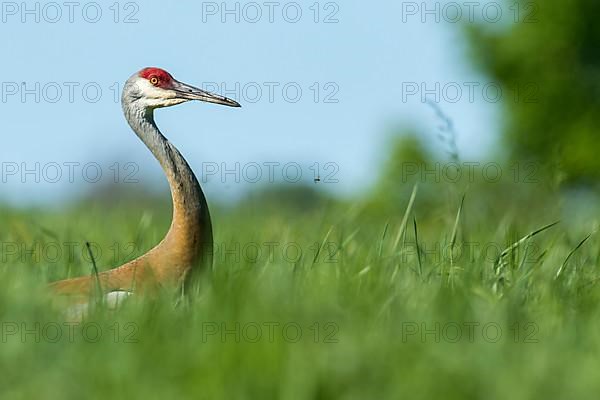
[[550, 61]]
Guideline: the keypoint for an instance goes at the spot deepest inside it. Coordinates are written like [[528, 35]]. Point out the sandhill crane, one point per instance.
[[188, 243]]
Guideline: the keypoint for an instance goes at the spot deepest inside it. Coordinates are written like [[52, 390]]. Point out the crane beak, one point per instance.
[[188, 92]]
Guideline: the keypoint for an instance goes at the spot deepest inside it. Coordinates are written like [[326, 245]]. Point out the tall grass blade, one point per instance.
[[409, 207]]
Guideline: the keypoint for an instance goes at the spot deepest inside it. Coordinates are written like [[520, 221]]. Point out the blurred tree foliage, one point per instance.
[[406, 161], [550, 61], [492, 190]]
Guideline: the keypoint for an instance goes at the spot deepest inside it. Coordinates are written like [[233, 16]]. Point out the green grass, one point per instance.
[[378, 318]]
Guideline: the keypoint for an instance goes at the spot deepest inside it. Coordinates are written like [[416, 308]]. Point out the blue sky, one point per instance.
[[363, 61]]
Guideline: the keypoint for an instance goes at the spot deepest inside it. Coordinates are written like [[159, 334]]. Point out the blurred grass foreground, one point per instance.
[[426, 287]]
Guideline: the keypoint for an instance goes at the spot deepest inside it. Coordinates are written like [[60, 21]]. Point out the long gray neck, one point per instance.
[[191, 225], [181, 177]]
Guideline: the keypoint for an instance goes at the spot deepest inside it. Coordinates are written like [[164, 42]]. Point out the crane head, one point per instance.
[[156, 88]]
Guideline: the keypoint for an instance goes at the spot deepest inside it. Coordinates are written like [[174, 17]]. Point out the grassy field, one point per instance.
[[335, 299]]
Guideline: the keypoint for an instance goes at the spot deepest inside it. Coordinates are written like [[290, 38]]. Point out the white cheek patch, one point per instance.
[[150, 91], [156, 97], [172, 102]]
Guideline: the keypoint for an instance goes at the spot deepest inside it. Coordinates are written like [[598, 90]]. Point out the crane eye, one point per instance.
[[154, 80]]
